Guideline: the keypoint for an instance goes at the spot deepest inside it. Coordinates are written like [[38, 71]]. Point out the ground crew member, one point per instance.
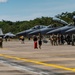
[[1, 41], [54, 39], [35, 42], [22, 39], [40, 40], [73, 39], [58, 39], [51, 39]]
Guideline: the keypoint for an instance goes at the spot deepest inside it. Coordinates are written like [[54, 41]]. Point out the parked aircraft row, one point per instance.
[[68, 28], [43, 31], [49, 29], [26, 32]]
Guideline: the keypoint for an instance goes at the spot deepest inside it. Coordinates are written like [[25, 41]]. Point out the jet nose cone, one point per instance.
[[21, 33]]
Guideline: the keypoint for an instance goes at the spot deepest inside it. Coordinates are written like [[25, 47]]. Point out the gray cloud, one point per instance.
[[3, 1]]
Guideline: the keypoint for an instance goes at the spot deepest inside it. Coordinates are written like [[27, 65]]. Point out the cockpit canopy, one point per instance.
[[38, 27]]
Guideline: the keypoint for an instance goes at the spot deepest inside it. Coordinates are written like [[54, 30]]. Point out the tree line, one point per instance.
[[15, 27]]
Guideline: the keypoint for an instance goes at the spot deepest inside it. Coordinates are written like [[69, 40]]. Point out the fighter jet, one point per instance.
[[42, 31], [9, 34], [71, 31], [61, 30], [48, 28], [25, 33]]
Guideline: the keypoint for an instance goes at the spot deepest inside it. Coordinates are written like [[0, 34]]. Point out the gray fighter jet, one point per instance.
[[25, 33], [43, 31], [61, 30], [9, 34], [48, 28]]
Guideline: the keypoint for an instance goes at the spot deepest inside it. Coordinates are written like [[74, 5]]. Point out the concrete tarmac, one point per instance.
[[49, 60]]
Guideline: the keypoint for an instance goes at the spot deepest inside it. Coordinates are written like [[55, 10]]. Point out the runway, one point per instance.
[[50, 60]]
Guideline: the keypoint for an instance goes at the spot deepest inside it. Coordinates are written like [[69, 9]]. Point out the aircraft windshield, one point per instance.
[[38, 27], [42, 26], [51, 26]]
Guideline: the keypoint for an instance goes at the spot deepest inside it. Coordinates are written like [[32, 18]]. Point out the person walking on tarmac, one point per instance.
[[1, 42], [68, 39], [35, 42], [51, 39], [62, 39], [54, 39], [22, 39], [58, 39], [40, 40]]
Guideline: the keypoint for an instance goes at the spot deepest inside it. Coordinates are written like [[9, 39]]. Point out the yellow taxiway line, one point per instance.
[[38, 62]]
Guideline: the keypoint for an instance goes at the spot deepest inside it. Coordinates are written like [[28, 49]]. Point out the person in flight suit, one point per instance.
[[1, 42]]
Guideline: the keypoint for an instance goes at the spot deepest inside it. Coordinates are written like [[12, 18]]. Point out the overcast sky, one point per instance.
[[19, 10]]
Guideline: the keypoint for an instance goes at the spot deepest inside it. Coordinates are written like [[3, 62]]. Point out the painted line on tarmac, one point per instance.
[[24, 67], [38, 62]]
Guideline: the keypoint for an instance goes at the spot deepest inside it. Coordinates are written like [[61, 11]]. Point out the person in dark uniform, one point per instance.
[[62, 39], [73, 39], [1, 42], [40, 40], [68, 39], [58, 39]]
